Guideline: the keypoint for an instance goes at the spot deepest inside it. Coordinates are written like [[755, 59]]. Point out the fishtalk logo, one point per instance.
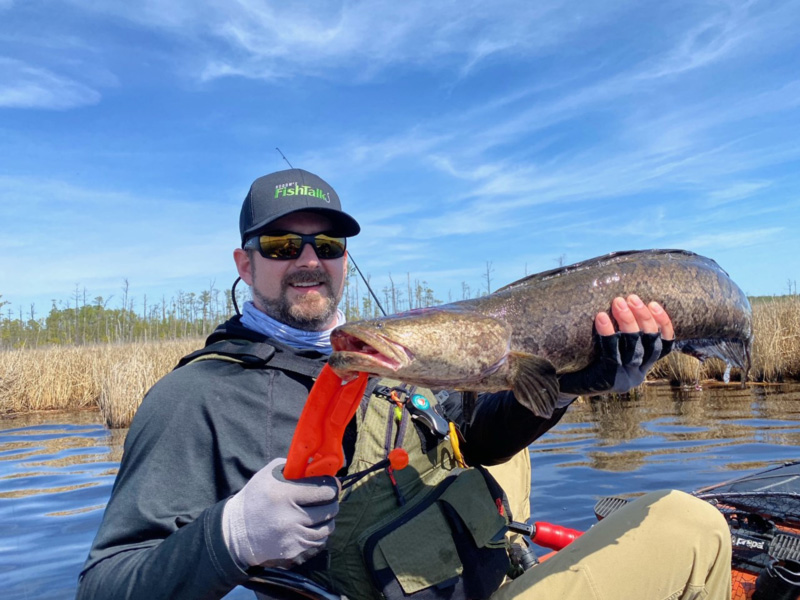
[[301, 190]]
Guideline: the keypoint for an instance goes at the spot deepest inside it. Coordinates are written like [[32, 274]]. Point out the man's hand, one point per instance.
[[275, 522], [645, 335], [633, 316]]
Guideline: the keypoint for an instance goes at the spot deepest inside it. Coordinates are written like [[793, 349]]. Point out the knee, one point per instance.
[[691, 516], [687, 508]]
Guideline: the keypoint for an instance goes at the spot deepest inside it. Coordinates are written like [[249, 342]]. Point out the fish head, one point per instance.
[[432, 346]]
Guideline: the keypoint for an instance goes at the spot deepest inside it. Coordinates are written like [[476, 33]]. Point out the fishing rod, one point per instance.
[[349, 255], [284, 158], [364, 279]]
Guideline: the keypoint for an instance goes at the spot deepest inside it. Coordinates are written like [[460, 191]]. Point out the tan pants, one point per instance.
[[514, 477], [663, 546]]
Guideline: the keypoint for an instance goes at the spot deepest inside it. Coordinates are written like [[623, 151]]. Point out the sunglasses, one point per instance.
[[288, 246]]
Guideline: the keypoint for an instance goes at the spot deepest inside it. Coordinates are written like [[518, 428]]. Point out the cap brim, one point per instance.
[[343, 224]]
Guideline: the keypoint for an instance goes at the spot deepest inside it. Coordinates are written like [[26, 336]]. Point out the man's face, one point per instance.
[[304, 292]]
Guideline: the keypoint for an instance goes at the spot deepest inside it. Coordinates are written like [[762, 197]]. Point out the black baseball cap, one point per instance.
[[278, 194]]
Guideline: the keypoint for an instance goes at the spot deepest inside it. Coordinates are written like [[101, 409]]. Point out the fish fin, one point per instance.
[[734, 352], [534, 382]]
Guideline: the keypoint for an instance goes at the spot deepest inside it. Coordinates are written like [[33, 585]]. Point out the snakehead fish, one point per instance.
[[516, 337]]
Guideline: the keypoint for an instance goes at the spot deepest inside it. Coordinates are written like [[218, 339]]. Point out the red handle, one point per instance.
[[317, 443], [552, 536]]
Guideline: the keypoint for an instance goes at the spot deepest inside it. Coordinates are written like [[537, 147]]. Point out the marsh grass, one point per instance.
[[125, 378], [49, 378], [115, 377], [112, 377], [775, 353]]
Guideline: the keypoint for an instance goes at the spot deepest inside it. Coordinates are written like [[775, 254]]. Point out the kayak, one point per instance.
[[762, 511], [763, 514]]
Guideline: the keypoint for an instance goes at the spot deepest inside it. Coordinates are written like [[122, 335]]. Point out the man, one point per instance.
[[200, 504]]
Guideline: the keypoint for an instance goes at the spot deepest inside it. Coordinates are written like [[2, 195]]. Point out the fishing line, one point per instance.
[[378, 302], [349, 254]]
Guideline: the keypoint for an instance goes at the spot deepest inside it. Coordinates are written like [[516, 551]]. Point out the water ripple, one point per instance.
[[57, 469]]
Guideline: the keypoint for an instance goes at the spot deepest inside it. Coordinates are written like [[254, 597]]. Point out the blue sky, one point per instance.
[[457, 132]]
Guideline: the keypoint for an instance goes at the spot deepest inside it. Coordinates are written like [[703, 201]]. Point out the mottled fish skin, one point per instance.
[[544, 322], [552, 313], [445, 345]]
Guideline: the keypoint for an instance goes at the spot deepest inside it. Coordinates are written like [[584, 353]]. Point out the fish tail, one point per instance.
[[734, 352]]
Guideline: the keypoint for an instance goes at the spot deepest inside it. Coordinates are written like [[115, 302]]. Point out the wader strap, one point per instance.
[[372, 385], [241, 351], [468, 401], [289, 362], [255, 354]]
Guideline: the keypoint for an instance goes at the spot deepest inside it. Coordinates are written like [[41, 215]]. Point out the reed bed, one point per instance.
[[775, 353], [116, 377], [111, 377], [125, 378], [49, 378]]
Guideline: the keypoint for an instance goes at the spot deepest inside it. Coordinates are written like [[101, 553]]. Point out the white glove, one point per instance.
[[275, 522]]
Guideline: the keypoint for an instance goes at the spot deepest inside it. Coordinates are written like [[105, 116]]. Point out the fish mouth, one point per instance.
[[366, 351]]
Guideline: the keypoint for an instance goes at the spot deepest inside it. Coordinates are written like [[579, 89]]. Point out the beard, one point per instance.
[[311, 312]]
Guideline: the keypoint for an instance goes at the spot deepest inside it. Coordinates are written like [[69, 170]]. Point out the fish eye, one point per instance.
[[379, 325]]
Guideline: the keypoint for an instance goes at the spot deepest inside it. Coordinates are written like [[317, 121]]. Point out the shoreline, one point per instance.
[[6, 415], [113, 378]]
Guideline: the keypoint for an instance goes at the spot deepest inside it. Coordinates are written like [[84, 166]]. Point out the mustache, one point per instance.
[[307, 277]]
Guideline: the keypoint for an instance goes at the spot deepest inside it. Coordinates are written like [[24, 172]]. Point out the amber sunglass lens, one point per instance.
[[329, 247], [281, 246]]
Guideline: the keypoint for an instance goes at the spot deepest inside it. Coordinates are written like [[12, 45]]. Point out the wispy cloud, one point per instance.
[[457, 132], [373, 154], [736, 191], [364, 39], [26, 86], [95, 237], [319, 38], [731, 239], [712, 39]]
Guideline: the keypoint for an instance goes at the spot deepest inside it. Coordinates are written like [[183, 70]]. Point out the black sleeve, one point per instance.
[[193, 562], [197, 438], [499, 426]]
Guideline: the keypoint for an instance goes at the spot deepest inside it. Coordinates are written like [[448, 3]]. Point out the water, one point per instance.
[[57, 469]]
